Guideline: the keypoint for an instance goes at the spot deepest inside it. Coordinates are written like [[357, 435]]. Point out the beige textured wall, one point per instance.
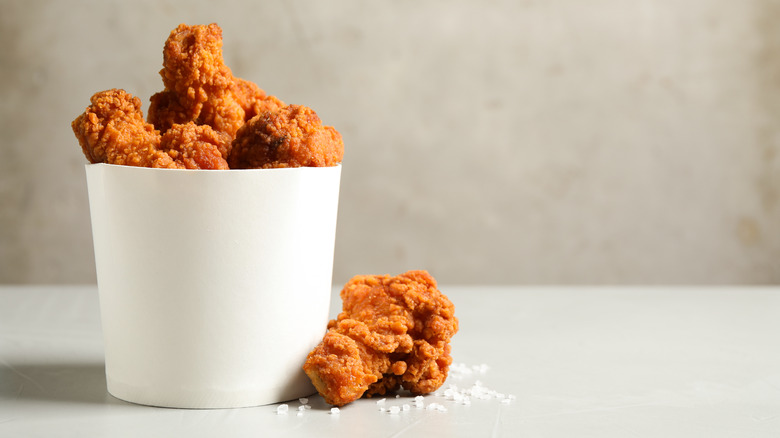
[[557, 141]]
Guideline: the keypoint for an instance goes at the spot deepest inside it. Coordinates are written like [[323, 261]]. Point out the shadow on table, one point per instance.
[[67, 382]]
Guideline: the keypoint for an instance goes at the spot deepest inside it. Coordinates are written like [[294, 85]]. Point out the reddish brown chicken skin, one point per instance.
[[112, 130], [289, 137], [393, 332], [199, 87]]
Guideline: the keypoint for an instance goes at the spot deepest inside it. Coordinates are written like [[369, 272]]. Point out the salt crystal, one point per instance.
[[478, 390], [303, 400], [394, 410], [334, 411], [300, 413], [419, 398], [437, 407], [307, 407], [381, 402], [282, 409], [405, 407]]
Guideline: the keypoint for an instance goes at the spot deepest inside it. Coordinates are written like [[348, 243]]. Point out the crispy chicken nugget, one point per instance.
[[112, 130], [196, 146], [393, 332], [199, 87], [289, 137]]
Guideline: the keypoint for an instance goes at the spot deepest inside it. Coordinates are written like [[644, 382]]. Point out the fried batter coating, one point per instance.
[[289, 137], [200, 90], [196, 146], [199, 87], [112, 130], [393, 332], [253, 99]]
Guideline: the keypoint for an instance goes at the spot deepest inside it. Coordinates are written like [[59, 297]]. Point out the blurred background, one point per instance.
[[487, 141]]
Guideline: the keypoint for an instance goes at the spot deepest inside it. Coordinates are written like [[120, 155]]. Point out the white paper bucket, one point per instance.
[[214, 285]]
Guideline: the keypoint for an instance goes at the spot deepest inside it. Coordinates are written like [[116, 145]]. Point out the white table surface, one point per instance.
[[580, 362]]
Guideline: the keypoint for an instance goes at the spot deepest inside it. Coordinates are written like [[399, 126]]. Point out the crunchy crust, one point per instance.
[[393, 332]]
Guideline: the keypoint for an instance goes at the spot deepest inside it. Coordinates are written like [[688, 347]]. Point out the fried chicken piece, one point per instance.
[[196, 146], [393, 332], [253, 99], [290, 137], [199, 87], [112, 130]]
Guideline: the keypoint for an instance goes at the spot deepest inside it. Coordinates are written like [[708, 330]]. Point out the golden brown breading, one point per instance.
[[289, 137], [196, 146], [199, 87], [393, 332], [200, 90], [253, 99], [112, 130]]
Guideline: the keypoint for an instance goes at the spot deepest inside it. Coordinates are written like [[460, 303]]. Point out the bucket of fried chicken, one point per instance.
[[213, 224]]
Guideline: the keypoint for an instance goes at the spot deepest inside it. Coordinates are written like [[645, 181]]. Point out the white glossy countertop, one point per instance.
[[578, 362]]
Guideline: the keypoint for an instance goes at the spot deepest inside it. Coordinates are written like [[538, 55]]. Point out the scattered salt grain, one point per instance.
[[405, 407], [304, 400], [394, 410], [381, 402], [282, 409], [436, 407], [335, 411], [301, 408]]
